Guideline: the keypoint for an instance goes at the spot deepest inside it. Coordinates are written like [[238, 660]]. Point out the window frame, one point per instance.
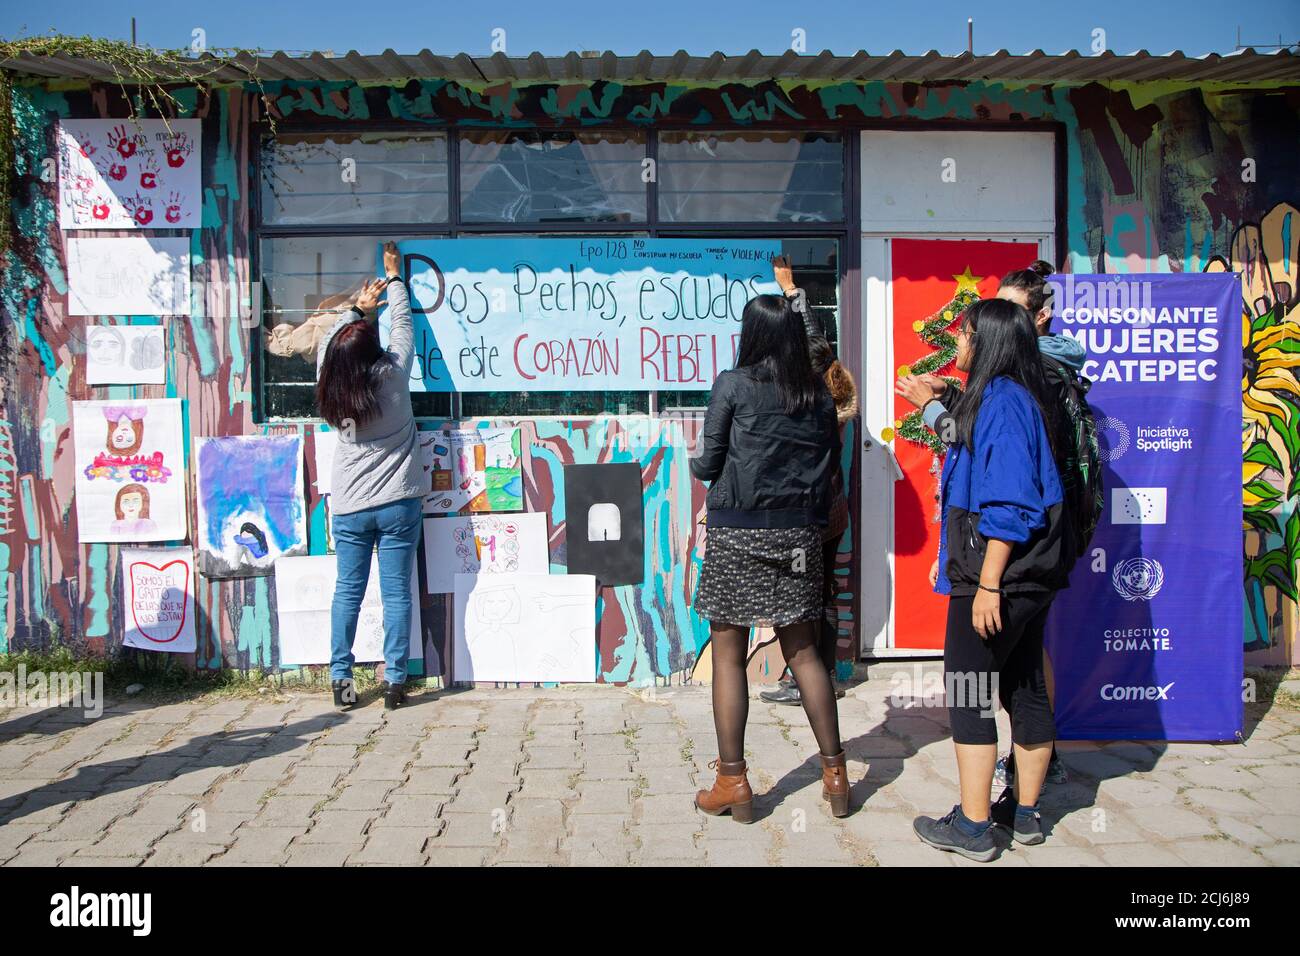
[[454, 227]]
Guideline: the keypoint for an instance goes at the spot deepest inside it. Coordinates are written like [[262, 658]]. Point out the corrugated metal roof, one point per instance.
[[1244, 67]]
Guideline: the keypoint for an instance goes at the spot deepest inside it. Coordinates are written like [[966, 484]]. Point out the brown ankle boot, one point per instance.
[[730, 793], [835, 784]]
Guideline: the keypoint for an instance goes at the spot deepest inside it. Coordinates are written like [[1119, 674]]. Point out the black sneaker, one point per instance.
[[785, 692], [394, 696], [942, 834], [345, 693], [1023, 828]]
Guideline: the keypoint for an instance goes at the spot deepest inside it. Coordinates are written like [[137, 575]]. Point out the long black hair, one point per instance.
[[345, 389], [1004, 343], [774, 345]]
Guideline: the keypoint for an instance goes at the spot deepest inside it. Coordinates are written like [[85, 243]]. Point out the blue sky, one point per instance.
[[664, 26]]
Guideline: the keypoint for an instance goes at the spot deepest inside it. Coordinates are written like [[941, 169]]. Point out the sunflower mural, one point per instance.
[[1266, 254]]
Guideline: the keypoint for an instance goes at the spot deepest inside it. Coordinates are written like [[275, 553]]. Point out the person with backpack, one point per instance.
[[1078, 461], [1002, 557]]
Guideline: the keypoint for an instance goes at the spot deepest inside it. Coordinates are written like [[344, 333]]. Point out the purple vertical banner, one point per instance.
[[1146, 643]]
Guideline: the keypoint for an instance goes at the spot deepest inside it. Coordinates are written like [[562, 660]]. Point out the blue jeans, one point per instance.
[[395, 529]]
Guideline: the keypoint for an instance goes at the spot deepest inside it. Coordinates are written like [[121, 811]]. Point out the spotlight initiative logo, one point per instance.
[[1113, 437]]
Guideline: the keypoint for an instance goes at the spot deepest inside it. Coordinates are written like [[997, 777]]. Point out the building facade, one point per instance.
[[857, 165]]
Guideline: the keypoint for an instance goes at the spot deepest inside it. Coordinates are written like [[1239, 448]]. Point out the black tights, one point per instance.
[[731, 687]]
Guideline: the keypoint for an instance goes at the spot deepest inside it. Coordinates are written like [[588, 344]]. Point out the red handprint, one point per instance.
[[172, 211], [140, 209], [110, 169], [177, 147], [148, 171], [118, 140], [85, 208]]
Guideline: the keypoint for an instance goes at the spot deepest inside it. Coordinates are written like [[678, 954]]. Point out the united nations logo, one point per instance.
[[1138, 579], [1112, 439]]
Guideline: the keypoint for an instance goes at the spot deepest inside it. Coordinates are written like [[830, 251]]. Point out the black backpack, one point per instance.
[[1077, 458]]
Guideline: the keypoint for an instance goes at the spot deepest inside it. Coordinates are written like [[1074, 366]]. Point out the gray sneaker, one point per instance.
[[942, 834], [785, 692]]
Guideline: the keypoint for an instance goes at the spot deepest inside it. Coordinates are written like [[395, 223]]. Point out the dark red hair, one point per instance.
[[345, 388]]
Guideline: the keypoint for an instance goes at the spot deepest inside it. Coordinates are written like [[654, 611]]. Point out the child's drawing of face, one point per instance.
[[125, 436], [106, 347], [497, 606], [132, 505]]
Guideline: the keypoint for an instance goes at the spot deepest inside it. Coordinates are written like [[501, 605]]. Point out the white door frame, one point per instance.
[[878, 467]]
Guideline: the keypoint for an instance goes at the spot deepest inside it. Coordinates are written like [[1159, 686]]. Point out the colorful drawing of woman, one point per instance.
[[132, 509]]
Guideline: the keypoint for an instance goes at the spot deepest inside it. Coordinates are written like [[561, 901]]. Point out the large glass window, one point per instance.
[[763, 184], [306, 282], [815, 263], [529, 177], [354, 178], [751, 176]]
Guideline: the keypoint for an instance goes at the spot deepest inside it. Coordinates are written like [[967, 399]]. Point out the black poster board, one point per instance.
[[605, 523]]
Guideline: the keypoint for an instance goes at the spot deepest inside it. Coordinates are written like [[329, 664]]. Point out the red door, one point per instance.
[[928, 275]]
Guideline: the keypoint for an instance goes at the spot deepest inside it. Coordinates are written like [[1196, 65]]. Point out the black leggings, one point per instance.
[[1009, 665]]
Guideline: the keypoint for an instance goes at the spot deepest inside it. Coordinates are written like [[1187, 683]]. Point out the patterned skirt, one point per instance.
[[761, 577]]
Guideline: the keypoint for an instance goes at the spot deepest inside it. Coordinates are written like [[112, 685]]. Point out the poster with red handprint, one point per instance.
[[129, 174]]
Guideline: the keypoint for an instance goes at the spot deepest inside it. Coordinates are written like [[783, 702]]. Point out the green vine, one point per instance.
[[144, 75], [935, 332]]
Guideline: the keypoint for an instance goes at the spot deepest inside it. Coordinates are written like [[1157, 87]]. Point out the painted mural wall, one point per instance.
[[1156, 180]]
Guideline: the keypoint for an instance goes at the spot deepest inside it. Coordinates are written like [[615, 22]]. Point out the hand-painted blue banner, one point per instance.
[[627, 314], [1146, 642]]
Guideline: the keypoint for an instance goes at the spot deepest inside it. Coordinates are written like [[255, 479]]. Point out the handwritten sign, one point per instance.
[[576, 314], [159, 593], [129, 174]]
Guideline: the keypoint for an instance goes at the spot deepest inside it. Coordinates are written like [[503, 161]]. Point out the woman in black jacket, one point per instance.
[[770, 447]]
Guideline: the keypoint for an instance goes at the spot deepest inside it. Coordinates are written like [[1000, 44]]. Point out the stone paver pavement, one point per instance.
[[589, 776]]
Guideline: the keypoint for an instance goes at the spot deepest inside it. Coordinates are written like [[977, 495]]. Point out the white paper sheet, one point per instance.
[[130, 275], [326, 443], [158, 599], [130, 480], [130, 174], [126, 355], [483, 544], [304, 589], [525, 627]]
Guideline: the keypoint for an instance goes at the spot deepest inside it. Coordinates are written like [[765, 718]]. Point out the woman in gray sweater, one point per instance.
[[364, 392]]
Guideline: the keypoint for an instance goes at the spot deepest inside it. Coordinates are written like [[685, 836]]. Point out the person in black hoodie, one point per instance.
[[769, 448], [1002, 557]]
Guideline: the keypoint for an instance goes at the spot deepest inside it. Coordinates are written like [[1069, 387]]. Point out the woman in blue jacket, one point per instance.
[[1001, 562]]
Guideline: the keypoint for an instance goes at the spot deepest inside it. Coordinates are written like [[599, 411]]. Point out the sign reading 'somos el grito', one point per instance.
[[630, 314]]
